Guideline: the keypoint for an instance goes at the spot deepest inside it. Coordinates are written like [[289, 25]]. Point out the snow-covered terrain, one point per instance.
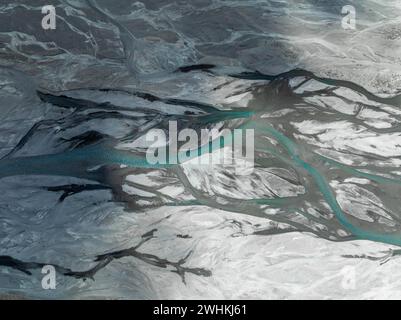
[[317, 218]]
